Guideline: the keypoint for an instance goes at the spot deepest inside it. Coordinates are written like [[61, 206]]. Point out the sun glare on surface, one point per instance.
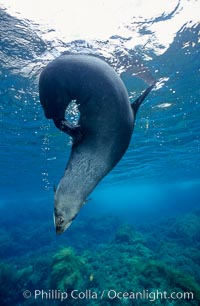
[[96, 19]]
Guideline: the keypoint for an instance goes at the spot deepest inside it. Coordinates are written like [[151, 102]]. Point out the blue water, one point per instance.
[[158, 178]]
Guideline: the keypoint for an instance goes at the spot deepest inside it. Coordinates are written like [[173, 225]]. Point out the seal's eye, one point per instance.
[[61, 220]]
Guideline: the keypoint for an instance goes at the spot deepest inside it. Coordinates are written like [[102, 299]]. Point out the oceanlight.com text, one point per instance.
[[107, 294]]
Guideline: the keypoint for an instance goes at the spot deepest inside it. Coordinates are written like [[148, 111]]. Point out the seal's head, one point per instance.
[[65, 211]]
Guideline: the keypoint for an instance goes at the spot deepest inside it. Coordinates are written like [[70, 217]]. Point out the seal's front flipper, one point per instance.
[[76, 134], [72, 130], [135, 105]]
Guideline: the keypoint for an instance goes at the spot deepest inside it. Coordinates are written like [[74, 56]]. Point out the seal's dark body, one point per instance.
[[106, 116], [106, 122]]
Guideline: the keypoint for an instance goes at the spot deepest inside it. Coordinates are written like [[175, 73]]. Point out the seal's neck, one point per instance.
[[82, 174]]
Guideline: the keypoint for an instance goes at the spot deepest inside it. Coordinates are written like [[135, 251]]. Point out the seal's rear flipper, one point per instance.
[[135, 105], [67, 127]]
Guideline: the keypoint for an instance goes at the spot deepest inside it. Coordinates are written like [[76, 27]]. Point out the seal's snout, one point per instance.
[[59, 230], [61, 225], [62, 219], [58, 223]]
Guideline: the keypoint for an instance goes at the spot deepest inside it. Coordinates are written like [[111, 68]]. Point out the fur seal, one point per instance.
[[103, 132]]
